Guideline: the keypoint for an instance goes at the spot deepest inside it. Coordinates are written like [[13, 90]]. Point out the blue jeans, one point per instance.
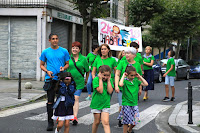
[[89, 83]]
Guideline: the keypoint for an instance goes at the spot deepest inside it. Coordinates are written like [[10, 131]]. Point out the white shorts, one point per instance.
[[107, 110], [169, 80]]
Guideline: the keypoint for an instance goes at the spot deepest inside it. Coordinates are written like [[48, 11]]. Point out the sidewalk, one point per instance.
[[178, 120], [9, 92]]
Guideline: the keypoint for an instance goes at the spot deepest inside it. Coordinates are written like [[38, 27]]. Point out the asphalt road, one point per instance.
[[22, 122]]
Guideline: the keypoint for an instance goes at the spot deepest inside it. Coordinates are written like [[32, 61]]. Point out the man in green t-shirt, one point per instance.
[[169, 76]]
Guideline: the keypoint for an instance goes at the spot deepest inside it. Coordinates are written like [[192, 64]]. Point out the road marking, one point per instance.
[[43, 116], [21, 109], [145, 116], [89, 118], [194, 87], [150, 113]]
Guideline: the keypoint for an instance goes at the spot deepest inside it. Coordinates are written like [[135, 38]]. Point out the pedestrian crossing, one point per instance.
[[146, 115]]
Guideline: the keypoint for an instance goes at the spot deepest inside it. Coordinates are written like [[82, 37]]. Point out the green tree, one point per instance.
[[88, 10], [142, 11], [181, 19]]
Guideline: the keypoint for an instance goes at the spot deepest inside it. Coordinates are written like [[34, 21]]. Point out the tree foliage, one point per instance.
[[142, 11], [89, 9]]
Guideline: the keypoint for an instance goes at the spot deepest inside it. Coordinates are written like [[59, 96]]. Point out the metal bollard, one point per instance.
[[19, 87], [190, 103]]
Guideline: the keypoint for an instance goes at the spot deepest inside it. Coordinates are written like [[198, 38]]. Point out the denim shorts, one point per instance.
[[107, 110], [78, 92], [169, 80]]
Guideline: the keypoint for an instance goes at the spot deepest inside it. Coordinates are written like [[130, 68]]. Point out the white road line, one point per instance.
[[89, 118], [150, 113], [21, 109], [43, 116]]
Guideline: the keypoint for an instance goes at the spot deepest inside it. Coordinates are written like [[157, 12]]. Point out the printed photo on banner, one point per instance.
[[118, 36]]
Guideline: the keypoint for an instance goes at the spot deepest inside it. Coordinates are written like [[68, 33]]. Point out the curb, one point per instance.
[[172, 121], [38, 97]]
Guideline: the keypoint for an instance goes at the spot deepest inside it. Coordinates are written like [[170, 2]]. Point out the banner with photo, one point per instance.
[[118, 36]]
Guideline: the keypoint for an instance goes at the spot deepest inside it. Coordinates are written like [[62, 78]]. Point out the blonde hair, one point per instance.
[[120, 54], [149, 48]]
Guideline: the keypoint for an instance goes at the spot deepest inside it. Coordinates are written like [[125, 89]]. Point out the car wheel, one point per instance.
[[159, 78], [187, 76]]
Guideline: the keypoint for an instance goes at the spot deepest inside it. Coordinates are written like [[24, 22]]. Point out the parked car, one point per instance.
[[157, 72], [194, 68], [181, 67]]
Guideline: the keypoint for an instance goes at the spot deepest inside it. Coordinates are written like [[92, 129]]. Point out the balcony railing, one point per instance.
[[56, 4]]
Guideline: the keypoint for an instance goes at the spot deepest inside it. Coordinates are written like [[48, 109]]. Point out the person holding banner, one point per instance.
[[130, 55], [78, 66], [104, 59], [91, 58], [148, 71]]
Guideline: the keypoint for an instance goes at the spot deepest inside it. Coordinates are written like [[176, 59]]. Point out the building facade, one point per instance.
[[24, 29]]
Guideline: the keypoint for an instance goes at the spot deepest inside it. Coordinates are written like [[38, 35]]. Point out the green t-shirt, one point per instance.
[[90, 58], [130, 92], [122, 67], [100, 100], [148, 60], [169, 63], [82, 64], [111, 62], [138, 58]]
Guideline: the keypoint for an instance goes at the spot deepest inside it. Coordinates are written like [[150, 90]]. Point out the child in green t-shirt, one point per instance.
[[130, 112], [100, 104], [169, 76]]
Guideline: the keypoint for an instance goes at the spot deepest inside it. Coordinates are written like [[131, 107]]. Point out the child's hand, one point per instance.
[[137, 75], [165, 75], [100, 75], [125, 74], [109, 78]]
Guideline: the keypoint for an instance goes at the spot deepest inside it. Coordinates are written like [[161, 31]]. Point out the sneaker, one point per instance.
[[75, 121], [173, 99], [88, 98], [166, 99], [56, 131]]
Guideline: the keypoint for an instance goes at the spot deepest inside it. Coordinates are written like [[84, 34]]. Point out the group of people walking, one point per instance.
[[65, 77]]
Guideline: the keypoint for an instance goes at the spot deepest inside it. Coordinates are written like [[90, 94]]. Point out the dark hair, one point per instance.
[[129, 68], [94, 47], [134, 44], [62, 76], [172, 53], [52, 34], [76, 44], [109, 53], [104, 68]]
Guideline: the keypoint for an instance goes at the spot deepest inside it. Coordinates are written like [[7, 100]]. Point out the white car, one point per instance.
[[181, 67]]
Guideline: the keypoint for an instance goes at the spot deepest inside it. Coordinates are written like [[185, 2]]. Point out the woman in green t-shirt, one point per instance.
[[148, 60], [78, 72], [91, 58], [104, 59]]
